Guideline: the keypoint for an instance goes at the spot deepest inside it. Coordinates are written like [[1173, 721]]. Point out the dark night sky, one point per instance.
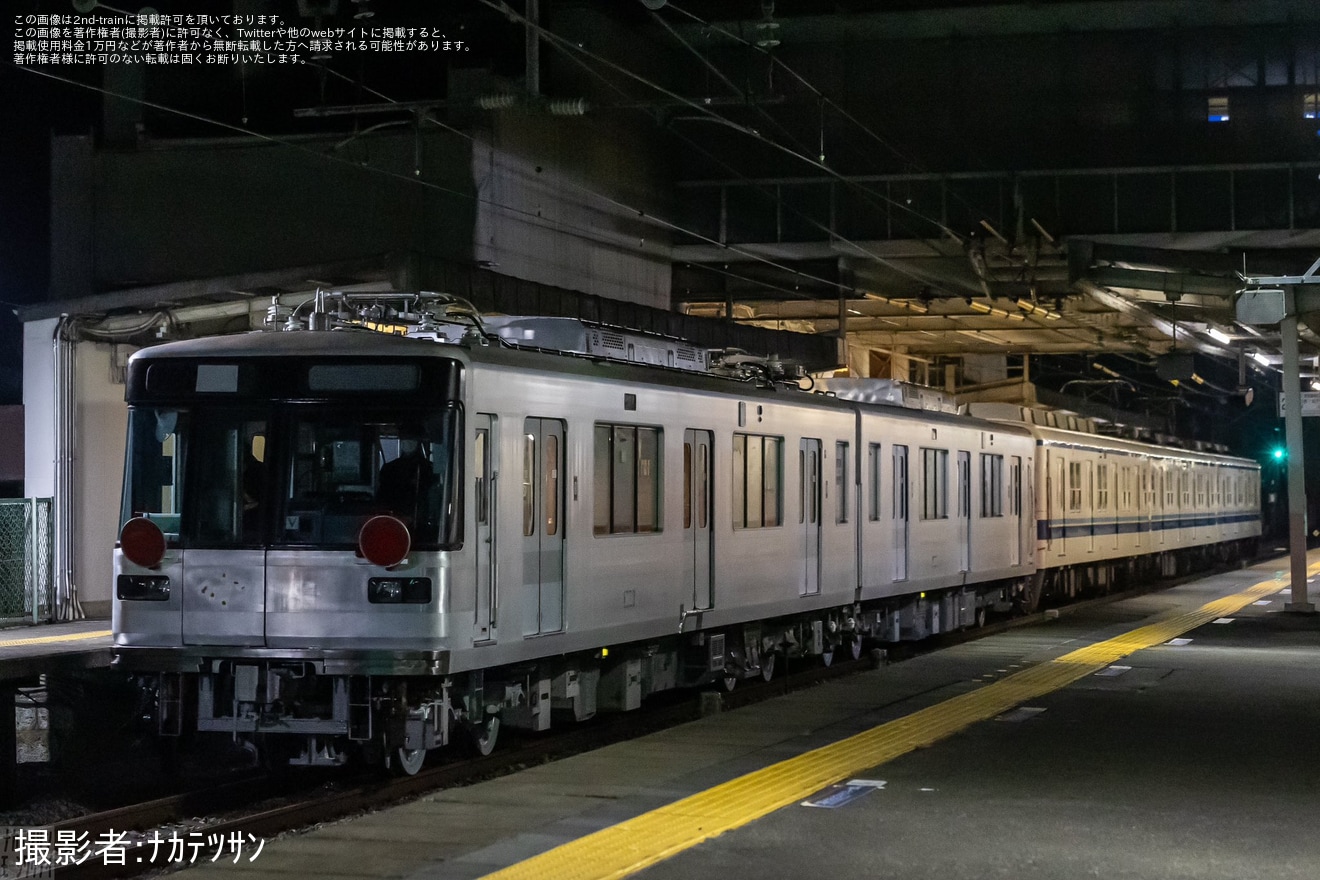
[[27, 109]]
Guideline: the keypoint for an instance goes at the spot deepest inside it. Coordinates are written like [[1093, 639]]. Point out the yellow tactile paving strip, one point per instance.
[[48, 640], [652, 837]]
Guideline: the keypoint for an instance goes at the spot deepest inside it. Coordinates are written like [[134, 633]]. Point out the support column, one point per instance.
[[1292, 426]]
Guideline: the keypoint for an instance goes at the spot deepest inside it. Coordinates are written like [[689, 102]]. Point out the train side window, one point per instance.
[[813, 484], [873, 484], [841, 481], [900, 509], [550, 492], [758, 465], [703, 483], [770, 475], [1102, 486], [992, 485], [627, 477], [482, 468], [1015, 488], [802, 487], [754, 498], [687, 485], [1074, 485], [934, 483], [529, 488]]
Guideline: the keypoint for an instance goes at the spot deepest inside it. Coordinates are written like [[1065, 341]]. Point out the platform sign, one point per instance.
[[1310, 404]]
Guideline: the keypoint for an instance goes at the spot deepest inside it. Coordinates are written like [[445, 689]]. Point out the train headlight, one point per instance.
[[142, 542], [143, 587], [384, 541], [399, 591]]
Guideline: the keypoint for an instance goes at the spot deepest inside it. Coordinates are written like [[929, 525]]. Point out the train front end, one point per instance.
[[292, 513]]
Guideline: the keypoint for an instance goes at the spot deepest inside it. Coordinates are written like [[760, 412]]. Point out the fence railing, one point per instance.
[[27, 582]]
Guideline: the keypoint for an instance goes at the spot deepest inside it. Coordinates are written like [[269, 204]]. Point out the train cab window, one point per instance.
[[228, 481], [1075, 485], [934, 483], [758, 466], [992, 485], [627, 479], [153, 480], [841, 481], [873, 483], [347, 465]]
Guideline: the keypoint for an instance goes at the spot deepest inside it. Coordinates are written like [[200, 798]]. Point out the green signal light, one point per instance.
[[1278, 453]]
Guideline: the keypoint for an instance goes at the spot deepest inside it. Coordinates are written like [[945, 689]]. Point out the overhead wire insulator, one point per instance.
[[567, 107], [496, 102]]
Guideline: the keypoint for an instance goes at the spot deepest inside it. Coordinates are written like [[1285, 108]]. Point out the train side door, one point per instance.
[[964, 511], [543, 525], [1164, 501], [1015, 509], [1124, 497], [1090, 502], [1062, 497], [698, 485], [485, 474], [809, 513], [900, 513]]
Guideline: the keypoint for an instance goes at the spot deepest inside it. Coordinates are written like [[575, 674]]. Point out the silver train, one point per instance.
[[343, 540]]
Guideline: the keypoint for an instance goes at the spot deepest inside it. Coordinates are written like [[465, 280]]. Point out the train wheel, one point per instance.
[[768, 665], [483, 736], [404, 762]]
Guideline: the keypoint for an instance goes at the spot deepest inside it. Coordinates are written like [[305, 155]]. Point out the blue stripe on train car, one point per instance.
[[1047, 530]]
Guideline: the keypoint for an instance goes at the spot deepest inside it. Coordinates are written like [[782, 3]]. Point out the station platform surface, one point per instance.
[[1172, 735], [26, 651]]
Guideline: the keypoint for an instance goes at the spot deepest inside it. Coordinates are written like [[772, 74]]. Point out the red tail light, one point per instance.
[[142, 542], [384, 541]]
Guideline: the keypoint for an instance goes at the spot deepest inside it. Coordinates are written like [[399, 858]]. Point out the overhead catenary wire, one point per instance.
[[531, 216], [710, 113], [824, 99]]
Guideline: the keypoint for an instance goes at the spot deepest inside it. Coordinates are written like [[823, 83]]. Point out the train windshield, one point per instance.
[[299, 475], [345, 467]]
